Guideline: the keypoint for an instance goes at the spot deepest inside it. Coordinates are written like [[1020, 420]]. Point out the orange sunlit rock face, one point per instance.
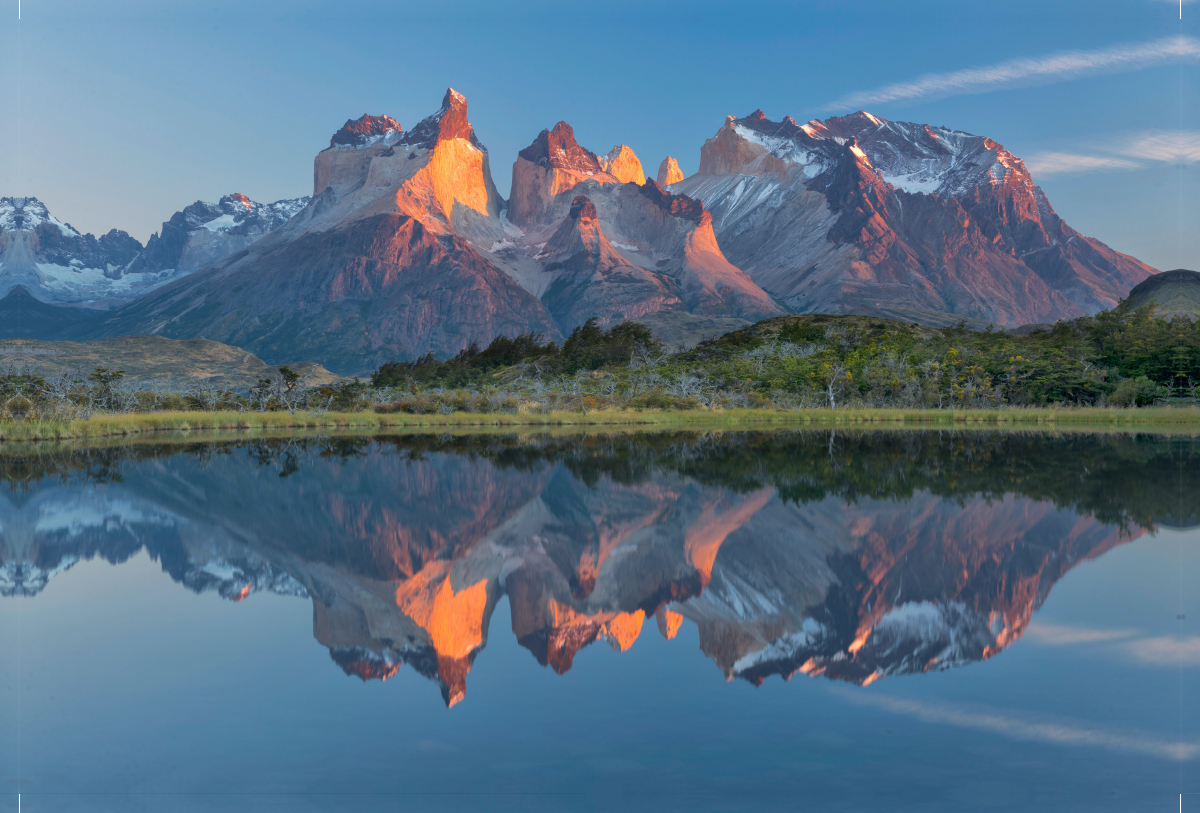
[[623, 164], [669, 622], [552, 165], [669, 172], [454, 620], [728, 153]]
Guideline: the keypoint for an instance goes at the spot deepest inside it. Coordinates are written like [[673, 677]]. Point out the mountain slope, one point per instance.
[[594, 278], [22, 316], [859, 214]]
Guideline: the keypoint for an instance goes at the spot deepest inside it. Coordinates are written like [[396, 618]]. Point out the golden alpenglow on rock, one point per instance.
[[623, 164], [669, 172]]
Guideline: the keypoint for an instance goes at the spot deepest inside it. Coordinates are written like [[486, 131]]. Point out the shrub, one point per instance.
[[1136, 392]]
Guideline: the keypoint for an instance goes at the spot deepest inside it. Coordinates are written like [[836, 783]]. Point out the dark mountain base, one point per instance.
[[24, 317]]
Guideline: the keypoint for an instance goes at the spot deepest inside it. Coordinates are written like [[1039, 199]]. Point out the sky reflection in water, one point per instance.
[[437, 571]]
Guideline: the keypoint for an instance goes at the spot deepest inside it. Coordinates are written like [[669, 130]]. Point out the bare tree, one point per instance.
[[835, 381]]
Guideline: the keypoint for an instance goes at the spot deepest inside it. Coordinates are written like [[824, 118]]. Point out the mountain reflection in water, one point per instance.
[[850, 555]]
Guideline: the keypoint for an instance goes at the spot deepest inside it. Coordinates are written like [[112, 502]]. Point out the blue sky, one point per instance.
[[118, 114]]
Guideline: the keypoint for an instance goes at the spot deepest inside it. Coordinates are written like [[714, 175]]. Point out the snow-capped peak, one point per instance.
[[365, 131], [26, 214]]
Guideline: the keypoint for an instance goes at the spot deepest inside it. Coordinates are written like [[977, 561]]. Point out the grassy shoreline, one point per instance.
[[108, 426]]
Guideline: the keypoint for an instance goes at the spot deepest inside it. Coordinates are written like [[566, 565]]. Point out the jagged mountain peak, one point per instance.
[[365, 131], [623, 164], [236, 213], [448, 123], [579, 231], [557, 148]]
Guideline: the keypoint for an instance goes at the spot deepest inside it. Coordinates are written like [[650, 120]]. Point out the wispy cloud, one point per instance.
[[1121, 152], [1053, 68], [1169, 146], [1061, 634], [1007, 725], [1167, 651]]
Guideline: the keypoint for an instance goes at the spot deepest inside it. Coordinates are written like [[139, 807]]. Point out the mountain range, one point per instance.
[[406, 247]]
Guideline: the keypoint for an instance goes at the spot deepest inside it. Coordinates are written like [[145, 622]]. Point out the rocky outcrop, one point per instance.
[[861, 215], [365, 131], [594, 280], [433, 173], [658, 238], [548, 169], [669, 172], [623, 164]]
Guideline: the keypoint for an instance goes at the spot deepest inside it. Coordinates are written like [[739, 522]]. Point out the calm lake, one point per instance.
[[807, 620]]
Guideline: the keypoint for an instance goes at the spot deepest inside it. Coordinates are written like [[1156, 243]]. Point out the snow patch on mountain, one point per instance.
[[782, 648], [783, 147], [235, 580]]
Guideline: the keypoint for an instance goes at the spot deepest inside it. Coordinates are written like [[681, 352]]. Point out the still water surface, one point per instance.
[[742, 621]]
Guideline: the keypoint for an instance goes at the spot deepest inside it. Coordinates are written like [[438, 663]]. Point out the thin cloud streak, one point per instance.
[[1063, 635], [1129, 151], [1044, 164], [1018, 729], [1167, 651], [1053, 68]]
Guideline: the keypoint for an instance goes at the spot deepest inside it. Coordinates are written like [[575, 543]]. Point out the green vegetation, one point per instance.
[[1120, 358], [587, 348], [151, 423], [1102, 370]]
